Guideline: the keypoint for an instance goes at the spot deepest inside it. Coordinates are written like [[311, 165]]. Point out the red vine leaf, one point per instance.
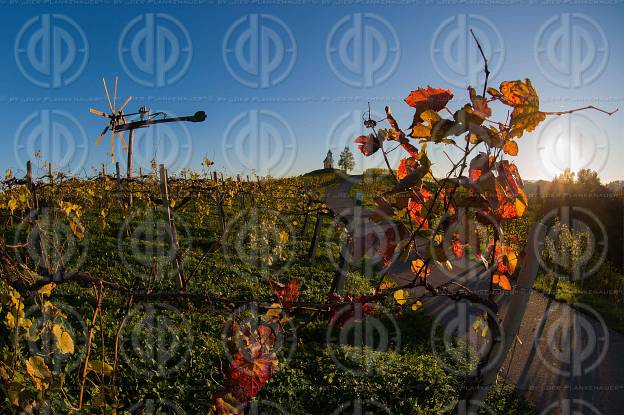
[[480, 106], [368, 144], [423, 99]]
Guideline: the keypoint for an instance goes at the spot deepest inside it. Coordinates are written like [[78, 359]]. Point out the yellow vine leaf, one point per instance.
[[46, 289], [476, 325], [523, 98], [63, 340], [484, 331], [417, 305], [386, 284], [12, 204], [520, 206], [76, 229], [274, 311], [13, 395], [98, 367], [401, 296], [417, 266], [511, 148], [39, 372]]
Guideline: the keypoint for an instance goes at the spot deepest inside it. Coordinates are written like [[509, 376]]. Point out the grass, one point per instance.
[[601, 291]]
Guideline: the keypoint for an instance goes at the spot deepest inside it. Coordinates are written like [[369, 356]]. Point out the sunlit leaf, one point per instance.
[[39, 372], [401, 296], [511, 148], [63, 339], [46, 289]]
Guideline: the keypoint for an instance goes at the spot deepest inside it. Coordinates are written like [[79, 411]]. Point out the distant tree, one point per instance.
[[346, 162], [588, 181], [566, 178]]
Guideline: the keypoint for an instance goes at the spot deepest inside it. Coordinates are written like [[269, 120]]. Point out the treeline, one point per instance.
[[581, 198]]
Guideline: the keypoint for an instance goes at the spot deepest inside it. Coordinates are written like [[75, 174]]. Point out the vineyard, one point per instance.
[[195, 293]]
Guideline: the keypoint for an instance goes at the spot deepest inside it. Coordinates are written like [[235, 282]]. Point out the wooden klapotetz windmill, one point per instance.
[[120, 121]]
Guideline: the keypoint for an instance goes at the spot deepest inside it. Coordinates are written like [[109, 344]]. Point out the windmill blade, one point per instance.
[[124, 104], [99, 139], [123, 142], [110, 105], [98, 112], [115, 95]]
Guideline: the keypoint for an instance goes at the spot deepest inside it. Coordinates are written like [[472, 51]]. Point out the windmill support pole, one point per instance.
[[171, 229], [50, 174], [119, 197], [129, 174]]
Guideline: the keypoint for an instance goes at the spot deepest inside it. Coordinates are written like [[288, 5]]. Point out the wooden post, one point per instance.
[[305, 221], [31, 189], [103, 170], [317, 230], [214, 176], [34, 215], [140, 171], [119, 197], [50, 174], [171, 229], [247, 178], [129, 173], [221, 214], [340, 277]]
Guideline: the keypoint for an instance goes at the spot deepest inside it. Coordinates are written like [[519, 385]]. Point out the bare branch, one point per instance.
[[485, 62]]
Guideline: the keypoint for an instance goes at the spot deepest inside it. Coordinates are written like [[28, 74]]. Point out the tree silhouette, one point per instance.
[[346, 161]]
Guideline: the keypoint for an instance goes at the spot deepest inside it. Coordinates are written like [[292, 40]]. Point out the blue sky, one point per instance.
[[319, 108]]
